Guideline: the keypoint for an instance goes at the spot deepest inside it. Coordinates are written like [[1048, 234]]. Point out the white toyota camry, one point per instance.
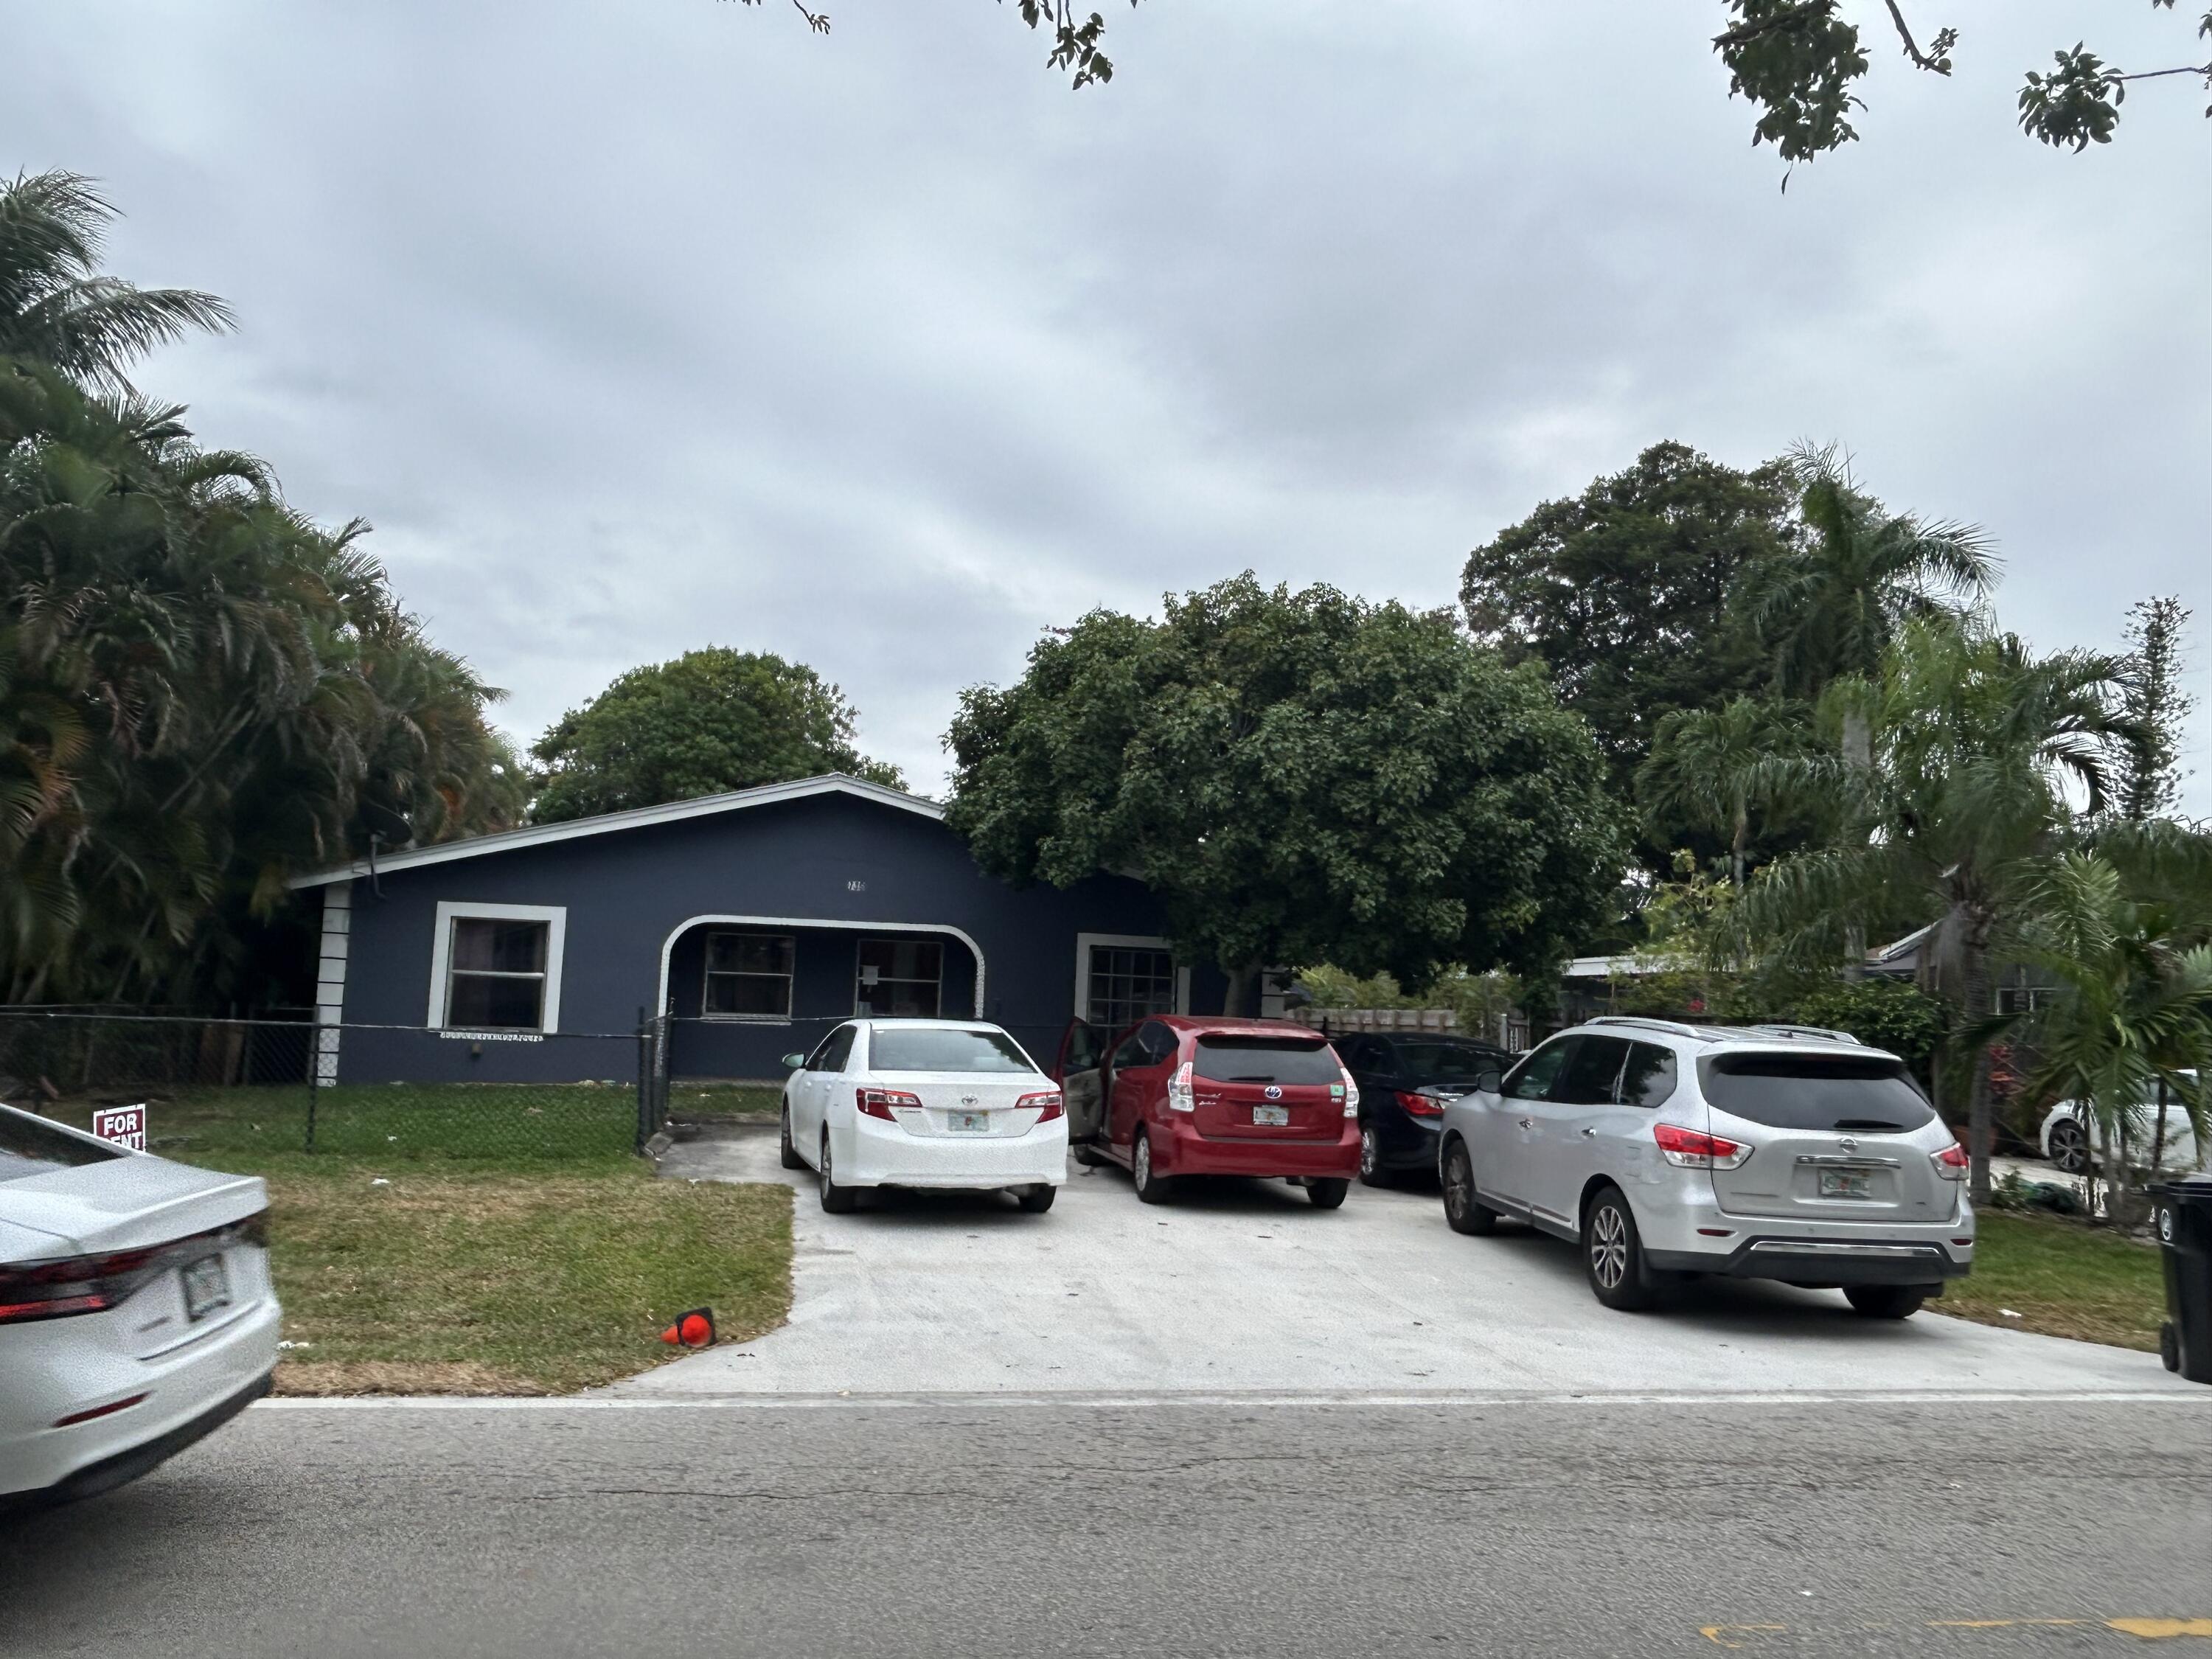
[[136, 1313], [924, 1103]]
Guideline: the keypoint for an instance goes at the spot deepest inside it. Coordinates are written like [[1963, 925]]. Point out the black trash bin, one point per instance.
[[2184, 1220]]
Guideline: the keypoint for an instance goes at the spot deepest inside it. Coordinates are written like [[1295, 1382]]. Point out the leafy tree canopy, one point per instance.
[[1799, 61], [1625, 596], [1301, 777], [710, 722]]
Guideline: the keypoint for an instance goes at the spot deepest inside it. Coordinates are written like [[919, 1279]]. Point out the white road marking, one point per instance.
[[1131, 1399]]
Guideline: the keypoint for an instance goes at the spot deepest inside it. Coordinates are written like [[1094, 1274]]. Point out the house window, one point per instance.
[[748, 976], [496, 967], [900, 978], [496, 977], [2023, 999], [1126, 983]]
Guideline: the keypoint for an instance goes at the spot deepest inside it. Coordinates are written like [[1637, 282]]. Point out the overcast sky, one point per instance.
[[635, 327]]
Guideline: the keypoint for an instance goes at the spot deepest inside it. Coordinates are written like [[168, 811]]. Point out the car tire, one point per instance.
[[1036, 1199], [835, 1200], [1372, 1172], [789, 1152], [1464, 1212], [1090, 1157], [1885, 1301], [1328, 1192], [1150, 1189], [2069, 1146], [1612, 1254]]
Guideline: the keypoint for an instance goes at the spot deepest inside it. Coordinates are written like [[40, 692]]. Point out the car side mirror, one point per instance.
[[793, 1062], [1490, 1080]]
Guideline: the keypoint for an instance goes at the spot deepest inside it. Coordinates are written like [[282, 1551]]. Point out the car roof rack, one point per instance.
[[1771, 1029], [1642, 1023]]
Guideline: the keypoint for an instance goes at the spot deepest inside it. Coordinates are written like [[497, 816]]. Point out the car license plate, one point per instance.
[[1279, 1116], [1846, 1183], [207, 1286], [970, 1123]]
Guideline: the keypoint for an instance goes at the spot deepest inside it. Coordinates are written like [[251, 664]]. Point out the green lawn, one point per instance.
[[479, 1238], [2063, 1278]]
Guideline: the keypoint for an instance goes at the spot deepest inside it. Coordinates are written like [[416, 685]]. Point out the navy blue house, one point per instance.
[[757, 920]]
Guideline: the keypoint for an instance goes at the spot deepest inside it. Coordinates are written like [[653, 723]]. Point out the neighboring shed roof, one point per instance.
[[537, 834]]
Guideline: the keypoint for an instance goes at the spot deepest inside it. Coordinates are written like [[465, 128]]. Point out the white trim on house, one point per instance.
[[668, 945], [1138, 941], [538, 835], [330, 977], [452, 910]]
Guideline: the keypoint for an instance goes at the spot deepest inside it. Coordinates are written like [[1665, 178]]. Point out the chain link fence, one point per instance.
[[274, 1085]]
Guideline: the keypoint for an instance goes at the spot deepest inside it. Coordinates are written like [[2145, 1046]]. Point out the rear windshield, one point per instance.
[[31, 1146], [1815, 1091], [937, 1049], [1447, 1062], [1265, 1060]]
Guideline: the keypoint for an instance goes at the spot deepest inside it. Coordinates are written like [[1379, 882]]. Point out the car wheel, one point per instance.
[[1461, 1208], [1090, 1157], [837, 1201], [2069, 1146], [1328, 1192], [791, 1157], [1612, 1254], [1036, 1199], [1372, 1172], [1885, 1301], [1150, 1189]]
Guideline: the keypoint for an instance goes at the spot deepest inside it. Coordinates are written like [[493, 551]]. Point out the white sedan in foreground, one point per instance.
[[136, 1313], [924, 1103]]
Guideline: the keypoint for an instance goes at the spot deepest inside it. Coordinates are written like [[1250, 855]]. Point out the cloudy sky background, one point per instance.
[[634, 325]]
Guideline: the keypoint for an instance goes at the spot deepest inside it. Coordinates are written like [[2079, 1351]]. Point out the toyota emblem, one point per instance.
[[967, 1100], [1848, 1143], [1272, 1092]]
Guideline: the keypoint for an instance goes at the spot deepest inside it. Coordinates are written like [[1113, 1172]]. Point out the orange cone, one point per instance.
[[695, 1330]]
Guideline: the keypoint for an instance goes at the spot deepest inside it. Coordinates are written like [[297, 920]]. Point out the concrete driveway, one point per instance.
[[1242, 1287]]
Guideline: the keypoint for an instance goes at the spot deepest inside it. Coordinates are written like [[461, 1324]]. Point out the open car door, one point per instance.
[[1080, 1075]]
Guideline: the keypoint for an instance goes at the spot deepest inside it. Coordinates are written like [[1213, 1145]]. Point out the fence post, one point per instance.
[[644, 1093], [314, 1074]]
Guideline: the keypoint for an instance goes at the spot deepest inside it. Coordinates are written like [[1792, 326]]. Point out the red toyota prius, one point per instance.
[[1176, 1095]]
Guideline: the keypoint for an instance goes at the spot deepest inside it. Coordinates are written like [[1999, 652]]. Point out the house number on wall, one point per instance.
[[856, 887]]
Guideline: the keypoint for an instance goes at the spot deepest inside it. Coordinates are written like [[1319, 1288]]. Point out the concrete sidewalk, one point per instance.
[[1244, 1286]]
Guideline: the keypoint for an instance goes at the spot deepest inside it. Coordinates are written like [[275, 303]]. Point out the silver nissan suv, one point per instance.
[[1767, 1152]]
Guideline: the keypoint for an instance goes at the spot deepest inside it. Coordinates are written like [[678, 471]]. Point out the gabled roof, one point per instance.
[[537, 834]]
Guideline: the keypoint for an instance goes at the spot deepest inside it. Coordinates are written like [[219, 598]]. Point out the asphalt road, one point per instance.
[[1244, 1285], [1014, 1526]]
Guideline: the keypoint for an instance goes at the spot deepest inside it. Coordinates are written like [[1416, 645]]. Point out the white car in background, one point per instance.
[[2068, 1134], [924, 1103], [135, 1312]]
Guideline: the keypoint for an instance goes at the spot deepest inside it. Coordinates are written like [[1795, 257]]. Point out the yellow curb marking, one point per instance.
[[2156, 1630], [1718, 1634]]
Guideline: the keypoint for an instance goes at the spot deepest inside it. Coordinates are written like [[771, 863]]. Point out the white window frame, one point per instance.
[[555, 916], [707, 972], [1084, 942], [862, 944]]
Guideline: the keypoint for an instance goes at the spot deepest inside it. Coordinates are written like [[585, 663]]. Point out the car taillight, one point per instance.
[[1047, 1105], [1951, 1162], [879, 1103], [1351, 1094], [1690, 1149], [1418, 1105], [1180, 1098], [93, 1284]]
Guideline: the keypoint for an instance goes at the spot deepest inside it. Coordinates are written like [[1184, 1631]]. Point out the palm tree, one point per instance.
[[1981, 744], [1828, 608], [1707, 766], [55, 306], [2133, 1020]]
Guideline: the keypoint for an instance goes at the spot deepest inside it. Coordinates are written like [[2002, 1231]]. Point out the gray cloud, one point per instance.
[[633, 328]]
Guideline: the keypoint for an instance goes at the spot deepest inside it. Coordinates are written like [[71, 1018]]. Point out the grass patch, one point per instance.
[[513, 1284], [693, 1101], [2063, 1278]]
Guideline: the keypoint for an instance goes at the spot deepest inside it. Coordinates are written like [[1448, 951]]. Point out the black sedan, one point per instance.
[[1404, 1078]]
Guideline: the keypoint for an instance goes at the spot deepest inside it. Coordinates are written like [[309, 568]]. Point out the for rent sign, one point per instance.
[[123, 1125]]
